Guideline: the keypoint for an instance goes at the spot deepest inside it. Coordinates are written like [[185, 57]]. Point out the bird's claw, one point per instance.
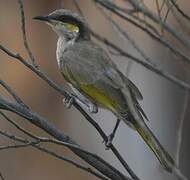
[[109, 140], [92, 108], [68, 101]]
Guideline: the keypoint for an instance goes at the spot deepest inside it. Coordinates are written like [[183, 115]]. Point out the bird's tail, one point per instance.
[[139, 125], [165, 159]]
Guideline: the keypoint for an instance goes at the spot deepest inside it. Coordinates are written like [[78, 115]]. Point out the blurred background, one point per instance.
[[163, 101]]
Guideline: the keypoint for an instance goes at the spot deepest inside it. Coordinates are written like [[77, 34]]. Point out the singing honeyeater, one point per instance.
[[96, 80]]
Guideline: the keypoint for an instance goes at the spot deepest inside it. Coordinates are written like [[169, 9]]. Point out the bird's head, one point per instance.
[[67, 24]]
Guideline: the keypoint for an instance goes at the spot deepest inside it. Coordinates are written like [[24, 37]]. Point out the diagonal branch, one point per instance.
[[111, 146], [53, 85], [157, 20], [11, 92], [42, 123], [47, 151], [153, 68], [180, 10], [159, 39], [23, 28], [1, 176]]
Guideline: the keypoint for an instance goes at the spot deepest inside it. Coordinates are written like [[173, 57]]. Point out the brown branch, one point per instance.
[[12, 93], [111, 146], [180, 10], [16, 146], [42, 123], [23, 28], [180, 127], [36, 145], [43, 139], [126, 36], [157, 20], [56, 87], [148, 66], [159, 39], [1, 176], [51, 83]]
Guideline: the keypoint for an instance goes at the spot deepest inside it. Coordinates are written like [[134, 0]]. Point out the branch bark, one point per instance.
[[42, 123]]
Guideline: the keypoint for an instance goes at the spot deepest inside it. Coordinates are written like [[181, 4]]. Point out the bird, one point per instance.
[[96, 80]]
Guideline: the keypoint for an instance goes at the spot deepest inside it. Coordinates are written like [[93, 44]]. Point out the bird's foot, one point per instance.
[[92, 108], [68, 101], [109, 140], [112, 135]]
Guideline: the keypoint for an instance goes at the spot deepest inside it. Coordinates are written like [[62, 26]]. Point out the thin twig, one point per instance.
[[38, 72], [167, 14], [12, 93], [182, 25], [127, 37], [23, 28], [94, 160], [111, 146], [50, 82], [179, 174], [87, 169], [102, 39], [155, 69], [180, 10], [18, 126], [44, 139], [47, 151], [148, 66], [180, 127], [1, 176], [159, 39], [16, 146], [156, 19]]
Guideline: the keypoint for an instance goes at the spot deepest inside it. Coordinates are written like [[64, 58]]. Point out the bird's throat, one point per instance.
[[62, 45]]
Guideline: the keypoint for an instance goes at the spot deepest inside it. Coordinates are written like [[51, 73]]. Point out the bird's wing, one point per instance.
[[88, 63], [134, 89], [91, 63]]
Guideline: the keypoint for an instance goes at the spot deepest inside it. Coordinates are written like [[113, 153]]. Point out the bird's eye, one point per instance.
[[71, 27]]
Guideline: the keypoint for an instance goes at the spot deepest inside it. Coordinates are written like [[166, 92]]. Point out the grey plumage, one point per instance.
[[89, 69]]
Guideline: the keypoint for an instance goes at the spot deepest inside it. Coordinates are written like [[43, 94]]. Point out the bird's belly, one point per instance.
[[99, 97]]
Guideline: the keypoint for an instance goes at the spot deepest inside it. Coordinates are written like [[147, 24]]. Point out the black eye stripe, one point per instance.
[[68, 19], [73, 19]]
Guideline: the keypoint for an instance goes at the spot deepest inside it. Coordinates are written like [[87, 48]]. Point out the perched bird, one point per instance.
[[96, 80]]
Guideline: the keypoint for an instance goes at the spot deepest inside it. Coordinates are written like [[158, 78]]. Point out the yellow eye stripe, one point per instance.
[[71, 27]]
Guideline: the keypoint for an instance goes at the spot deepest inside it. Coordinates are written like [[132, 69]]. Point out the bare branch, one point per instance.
[[35, 70], [156, 19], [23, 28], [180, 127], [178, 174], [148, 66], [111, 146], [159, 39], [127, 37], [1, 176], [50, 82], [43, 139], [180, 10], [16, 146], [36, 145], [42, 123], [13, 137], [12, 93], [76, 164]]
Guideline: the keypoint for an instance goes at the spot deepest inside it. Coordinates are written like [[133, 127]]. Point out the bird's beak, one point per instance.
[[42, 18]]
